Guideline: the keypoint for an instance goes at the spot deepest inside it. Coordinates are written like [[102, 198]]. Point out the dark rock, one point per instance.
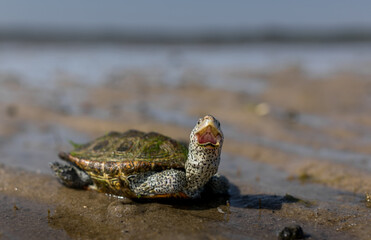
[[291, 233]]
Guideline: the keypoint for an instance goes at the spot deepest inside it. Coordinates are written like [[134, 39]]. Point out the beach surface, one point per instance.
[[296, 150]]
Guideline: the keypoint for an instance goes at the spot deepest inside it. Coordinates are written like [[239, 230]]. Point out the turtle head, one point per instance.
[[207, 133], [205, 147]]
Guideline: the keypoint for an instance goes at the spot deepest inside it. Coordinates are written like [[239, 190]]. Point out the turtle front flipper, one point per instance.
[[158, 184], [71, 176], [217, 185]]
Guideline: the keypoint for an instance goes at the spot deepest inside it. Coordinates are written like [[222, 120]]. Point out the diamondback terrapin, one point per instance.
[[134, 164]]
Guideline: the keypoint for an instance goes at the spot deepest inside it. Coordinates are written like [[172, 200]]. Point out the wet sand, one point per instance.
[[296, 152]]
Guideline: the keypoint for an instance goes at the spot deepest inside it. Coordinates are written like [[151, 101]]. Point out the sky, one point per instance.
[[174, 15]]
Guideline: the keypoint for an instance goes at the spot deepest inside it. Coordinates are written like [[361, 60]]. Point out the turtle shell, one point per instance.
[[110, 159]]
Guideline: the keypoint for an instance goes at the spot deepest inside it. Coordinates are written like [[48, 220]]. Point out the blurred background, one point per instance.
[[289, 80]]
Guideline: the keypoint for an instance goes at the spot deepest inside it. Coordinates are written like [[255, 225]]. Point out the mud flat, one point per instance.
[[36, 206], [297, 151]]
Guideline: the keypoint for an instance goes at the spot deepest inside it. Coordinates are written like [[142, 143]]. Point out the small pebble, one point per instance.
[[15, 207], [368, 200], [262, 109], [291, 233], [220, 210]]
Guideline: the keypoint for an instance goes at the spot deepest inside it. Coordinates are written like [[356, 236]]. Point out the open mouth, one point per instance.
[[208, 137]]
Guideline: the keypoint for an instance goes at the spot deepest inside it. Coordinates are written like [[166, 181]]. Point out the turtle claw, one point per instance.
[[145, 188]]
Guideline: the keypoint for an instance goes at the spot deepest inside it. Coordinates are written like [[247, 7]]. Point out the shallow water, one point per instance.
[[38, 145], [44, 65]]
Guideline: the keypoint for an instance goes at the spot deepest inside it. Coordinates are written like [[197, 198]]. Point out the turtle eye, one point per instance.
[[199, 121]]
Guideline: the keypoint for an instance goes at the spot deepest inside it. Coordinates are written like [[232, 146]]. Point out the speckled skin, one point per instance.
[[158, 183], [202, 164], [138, 165]]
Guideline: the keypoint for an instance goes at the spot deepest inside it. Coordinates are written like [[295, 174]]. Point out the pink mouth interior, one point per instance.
[[207, 137]]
